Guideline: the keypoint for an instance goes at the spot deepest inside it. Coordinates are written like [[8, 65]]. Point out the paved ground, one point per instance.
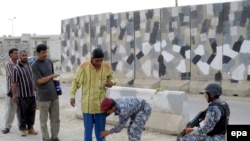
[[72, 128]]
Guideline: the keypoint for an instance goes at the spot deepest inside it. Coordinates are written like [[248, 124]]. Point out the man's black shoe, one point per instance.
[[5, 130], [56, 139]]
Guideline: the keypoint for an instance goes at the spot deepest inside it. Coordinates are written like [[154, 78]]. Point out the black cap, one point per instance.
[[97, 53]]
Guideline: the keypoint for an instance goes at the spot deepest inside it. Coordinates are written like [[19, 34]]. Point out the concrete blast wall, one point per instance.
[[179, 48]]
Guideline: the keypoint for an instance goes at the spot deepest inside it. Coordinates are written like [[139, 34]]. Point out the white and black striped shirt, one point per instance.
[[23, 77], [9, 67]]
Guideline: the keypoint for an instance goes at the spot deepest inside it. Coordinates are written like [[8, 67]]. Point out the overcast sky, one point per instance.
[[43, 17]]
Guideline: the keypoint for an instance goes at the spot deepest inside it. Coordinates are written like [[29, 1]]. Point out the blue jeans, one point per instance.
[[89, 120]]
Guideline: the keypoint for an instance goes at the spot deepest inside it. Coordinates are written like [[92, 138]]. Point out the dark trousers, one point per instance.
[[26, 111]]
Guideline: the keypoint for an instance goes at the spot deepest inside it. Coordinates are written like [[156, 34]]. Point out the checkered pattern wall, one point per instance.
[[75, 41], [200, 42], [147, 43], [100, 33], [175, 43], [220, 41], [122, 45]]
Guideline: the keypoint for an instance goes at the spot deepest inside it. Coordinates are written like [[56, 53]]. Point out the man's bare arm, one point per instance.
[[44, 80], [13, 88]]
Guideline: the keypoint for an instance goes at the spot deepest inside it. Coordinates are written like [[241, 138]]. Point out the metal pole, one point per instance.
[[12, 23], [12, 28]]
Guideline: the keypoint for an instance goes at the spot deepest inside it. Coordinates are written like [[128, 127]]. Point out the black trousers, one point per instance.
[[26, 111]]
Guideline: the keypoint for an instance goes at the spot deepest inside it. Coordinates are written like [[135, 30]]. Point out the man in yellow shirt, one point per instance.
[[93, 77]]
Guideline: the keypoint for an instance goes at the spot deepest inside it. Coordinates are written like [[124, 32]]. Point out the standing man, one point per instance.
[[94, 77], [215, 120], [47, 97], [135, 109], [23, 94], [10, 106]]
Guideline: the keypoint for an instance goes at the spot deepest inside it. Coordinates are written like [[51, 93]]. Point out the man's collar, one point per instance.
[[20, 64], [10, 60]]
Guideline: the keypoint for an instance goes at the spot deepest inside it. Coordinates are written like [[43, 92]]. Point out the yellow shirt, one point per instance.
[[93, 83]]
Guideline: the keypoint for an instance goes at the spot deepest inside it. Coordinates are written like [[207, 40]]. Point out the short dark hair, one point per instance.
[[97, 53], [12, 50], [22, 51], [113, 103], [41, 47]]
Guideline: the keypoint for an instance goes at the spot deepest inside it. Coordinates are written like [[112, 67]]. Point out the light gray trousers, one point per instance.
[[49, 110], [10, 112]]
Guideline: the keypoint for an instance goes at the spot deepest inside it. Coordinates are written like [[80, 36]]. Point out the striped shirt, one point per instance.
[[23, 77], [93, 85], [9, 66]]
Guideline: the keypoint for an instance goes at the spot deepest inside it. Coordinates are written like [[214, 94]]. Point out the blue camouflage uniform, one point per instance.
[[213, 115], [135, 109]]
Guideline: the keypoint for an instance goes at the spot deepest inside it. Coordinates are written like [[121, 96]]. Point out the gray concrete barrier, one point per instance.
[[169, 108], [2, 86]]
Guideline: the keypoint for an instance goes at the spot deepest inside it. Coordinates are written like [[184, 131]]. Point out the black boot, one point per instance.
[[5, 130]]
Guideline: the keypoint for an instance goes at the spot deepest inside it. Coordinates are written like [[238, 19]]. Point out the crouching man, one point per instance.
[[135, 109], [215, 120]]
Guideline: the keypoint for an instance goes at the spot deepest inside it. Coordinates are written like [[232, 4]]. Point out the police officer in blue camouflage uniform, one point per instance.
[[216, 118], [135, 109]]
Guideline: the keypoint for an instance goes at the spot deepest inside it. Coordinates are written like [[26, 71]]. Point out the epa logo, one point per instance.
[[239, 134]]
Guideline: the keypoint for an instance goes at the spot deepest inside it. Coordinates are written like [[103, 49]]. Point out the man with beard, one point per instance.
[[23, 94]]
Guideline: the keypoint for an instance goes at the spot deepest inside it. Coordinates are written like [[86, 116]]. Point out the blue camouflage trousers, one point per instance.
[[193, 137], [137, 122]]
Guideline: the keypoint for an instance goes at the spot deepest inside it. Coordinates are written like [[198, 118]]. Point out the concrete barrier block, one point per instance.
[[2, 71], [66, 77], [176, 85], [3, 87], [160, 122], [2, 91], [195, 87], [78, 106], [78, 111], [163, 101], [241, 89], [170, 108], [147, 83], [167, 123], [125, 82], [57, 66]]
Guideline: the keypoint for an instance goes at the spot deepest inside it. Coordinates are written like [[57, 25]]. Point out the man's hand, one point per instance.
[[105, 133], [14, 98], [72, 102], [55, 75], [187, 130], [109, 84]]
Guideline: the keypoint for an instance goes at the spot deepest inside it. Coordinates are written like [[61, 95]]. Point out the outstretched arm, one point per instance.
[[122, 122]]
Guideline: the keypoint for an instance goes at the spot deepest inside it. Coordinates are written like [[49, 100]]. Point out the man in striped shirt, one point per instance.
[[10, 105], [23, 94], [93, 77]]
